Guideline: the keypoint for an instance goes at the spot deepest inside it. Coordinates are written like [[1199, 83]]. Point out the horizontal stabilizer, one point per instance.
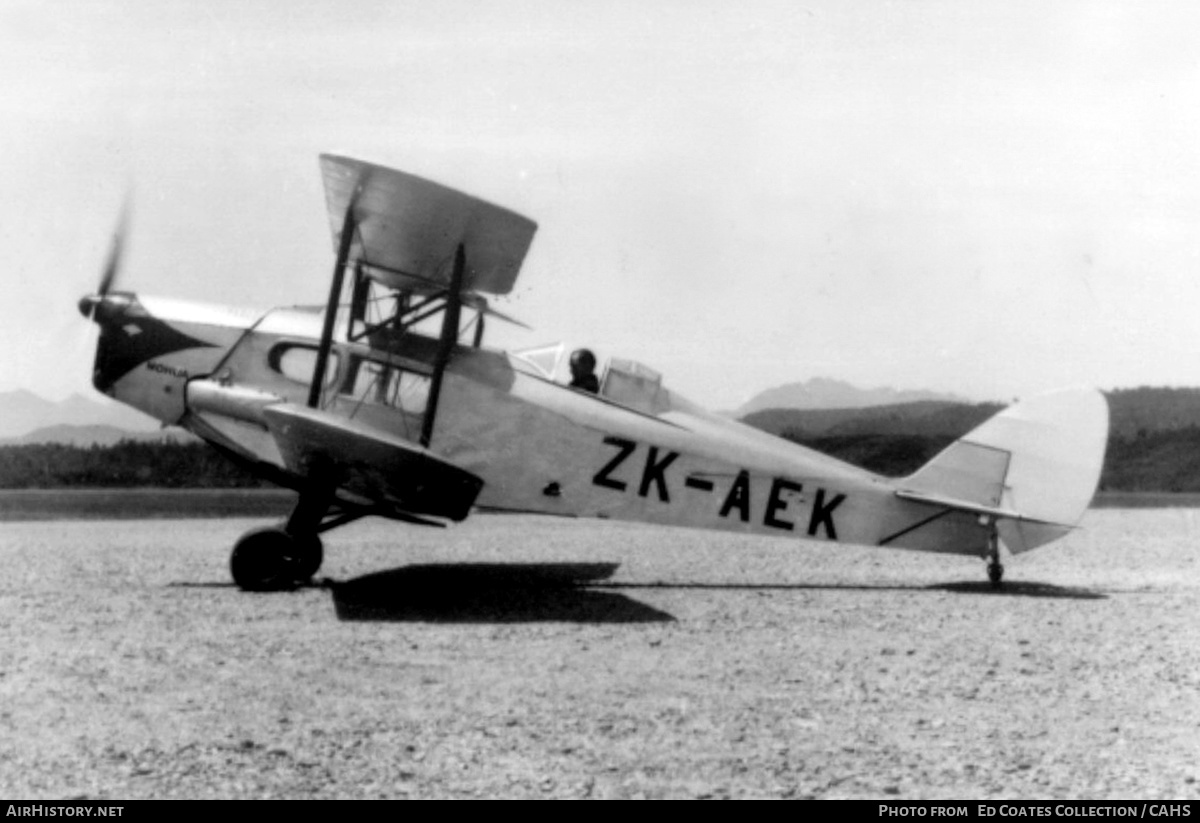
[[959, 504], [407, 229], [1034, 467], [370, 463]]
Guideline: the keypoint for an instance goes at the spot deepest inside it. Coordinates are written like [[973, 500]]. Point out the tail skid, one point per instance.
[[1033, 467]]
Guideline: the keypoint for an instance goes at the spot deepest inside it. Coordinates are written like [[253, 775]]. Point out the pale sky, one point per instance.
[[987, 198]]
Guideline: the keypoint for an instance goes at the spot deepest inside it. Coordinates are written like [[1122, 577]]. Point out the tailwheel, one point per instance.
[[995, 569], [263, 560]]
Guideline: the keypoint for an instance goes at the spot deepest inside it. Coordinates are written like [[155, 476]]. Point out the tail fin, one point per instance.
[[1034, 466]]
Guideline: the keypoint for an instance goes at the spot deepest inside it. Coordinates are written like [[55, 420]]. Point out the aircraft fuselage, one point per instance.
[[538, 446]]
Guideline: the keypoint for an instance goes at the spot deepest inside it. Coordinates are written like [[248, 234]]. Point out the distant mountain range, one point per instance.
[[825, 393], [924, 418], [27, 418]]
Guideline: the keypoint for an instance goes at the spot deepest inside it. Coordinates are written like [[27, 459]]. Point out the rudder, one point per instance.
[[1038, 460]]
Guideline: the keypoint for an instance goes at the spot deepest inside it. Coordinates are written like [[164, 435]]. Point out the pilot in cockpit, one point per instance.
[[583, 371]]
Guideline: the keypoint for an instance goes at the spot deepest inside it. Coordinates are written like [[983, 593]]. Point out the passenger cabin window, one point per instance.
[[373, 381], [298, 362]]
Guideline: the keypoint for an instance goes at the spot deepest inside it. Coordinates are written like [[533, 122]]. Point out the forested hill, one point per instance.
[[1154, 435], [1154, 445]]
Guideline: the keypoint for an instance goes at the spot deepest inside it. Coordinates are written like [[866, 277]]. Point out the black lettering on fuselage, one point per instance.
[[603, 477], [777, 514], [822, 514], [653, 473], [738, 497], [162, 368], [776, 502]]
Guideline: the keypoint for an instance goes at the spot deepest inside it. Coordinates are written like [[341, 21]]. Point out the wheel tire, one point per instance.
[[995, 573], [305, 556], [262, 561]]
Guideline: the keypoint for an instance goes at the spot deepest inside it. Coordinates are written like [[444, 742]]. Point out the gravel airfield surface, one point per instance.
[[522, 657]]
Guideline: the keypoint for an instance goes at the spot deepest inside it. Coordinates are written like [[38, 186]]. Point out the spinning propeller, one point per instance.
[[89, 303], [97, 306]]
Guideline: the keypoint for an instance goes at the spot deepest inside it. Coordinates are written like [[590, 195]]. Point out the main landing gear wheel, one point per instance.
[[306, 556], [271, 559]]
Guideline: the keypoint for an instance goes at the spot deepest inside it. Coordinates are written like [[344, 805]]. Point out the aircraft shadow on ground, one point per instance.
[[1021, 588], [1013, 589], [489, 593], [503, 587]]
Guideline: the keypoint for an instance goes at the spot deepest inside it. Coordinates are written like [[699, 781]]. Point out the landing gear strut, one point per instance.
[[995, 569]]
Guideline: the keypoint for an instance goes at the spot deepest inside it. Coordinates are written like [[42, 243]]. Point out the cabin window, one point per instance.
[[298, 362], [383, 383], [634, 385], [411, 391]]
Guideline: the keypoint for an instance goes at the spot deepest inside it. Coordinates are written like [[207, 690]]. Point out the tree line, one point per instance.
[[1151, 461], [126, 464]]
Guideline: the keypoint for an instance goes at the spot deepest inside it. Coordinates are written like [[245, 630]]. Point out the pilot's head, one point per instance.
[[582, 362]]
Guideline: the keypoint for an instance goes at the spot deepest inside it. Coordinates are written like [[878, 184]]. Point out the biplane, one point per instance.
[[385, 402]]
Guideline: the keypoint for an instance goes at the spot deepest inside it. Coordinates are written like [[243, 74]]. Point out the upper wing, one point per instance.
[[408, 229]]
